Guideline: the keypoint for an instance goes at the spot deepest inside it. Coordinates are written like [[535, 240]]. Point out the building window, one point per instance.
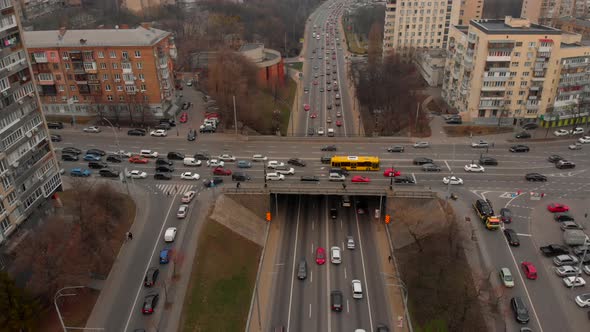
[[60, 88], [143, 88], [107, 87], [12, 198], [125, 55], [524, 83], [65, 56], [113, 54], [138, 54], [511, 83], [4, 84], [139, 65], [73, 87], [58, 77], [141, 77], [115, 65], [67, 66], [527, 64], [101, 54], [146, 98], [105, 77], [526, 73], [119, 88], [5, 224], [6, 182], [532, 44], [103, 65], [117, 77], [110, 98], [515, 64], [126, 65], [121, 98]]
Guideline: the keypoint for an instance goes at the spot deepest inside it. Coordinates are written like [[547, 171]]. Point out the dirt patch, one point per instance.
[[222, 281], [75, 311], [443, 294], [240, 219], [463, 131]]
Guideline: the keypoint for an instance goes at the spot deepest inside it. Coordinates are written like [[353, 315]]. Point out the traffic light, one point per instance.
[[387, 219], [268, 217]]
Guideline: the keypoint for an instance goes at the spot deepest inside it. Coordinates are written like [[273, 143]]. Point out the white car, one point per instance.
[[148, 154], [452, 180], [335, 255], [577, 131], [350, 242], [574, 281], [188, 196], [275, 176], [321, 131], [285, 170], [584, 140], [159, 133], [480, 144], [474, 168], [567, 270], [226, 157], [170, 234], [259, 157], [135, 174], [506, 277], [182, 211], [583, 300], [421, 144], [92, 129], [575, 146], [561, 132], [275, 164], [122, 153], [336, 177], [190, 176], [215, 163]]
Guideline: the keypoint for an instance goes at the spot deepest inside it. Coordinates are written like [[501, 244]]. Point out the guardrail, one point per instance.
[[414, 194], [328, 190]]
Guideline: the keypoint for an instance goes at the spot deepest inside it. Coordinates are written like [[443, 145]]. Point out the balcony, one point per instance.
[[40, 59], [46, 80], [498, 58], [76, 56], [493, 88], [163, 64], [79, 69], [130, 90], [7, 22], [90, 67], [48, 90], [545, 49], [568, 65], [5, 4], [532, 107]]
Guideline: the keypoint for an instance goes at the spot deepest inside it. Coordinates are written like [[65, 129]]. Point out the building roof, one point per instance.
[[94, 37], [577, 21], [499, 27]]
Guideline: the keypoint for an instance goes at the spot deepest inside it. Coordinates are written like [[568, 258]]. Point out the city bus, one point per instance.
[[356, 163]]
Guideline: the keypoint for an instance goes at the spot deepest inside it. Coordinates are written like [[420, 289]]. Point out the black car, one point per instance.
[[563, 216], [108, 173], [162, 176], [454, 121], [397, 148], [186, 105], [169, 122], [310, 178], [164, 169], [165, 162], [333, 213], [212, 182], [336, 300], [506, 215], [192, 135], [55, 138], [563, 164], [151, 276], [71, 150], [136, 132], [519, 148], [422, 161], [403, 179], [552, 250], [149, 303], [310, 131], [97, 165], [55, 125], [325, 159], [240, 176], [431, 168], [114, 158], [521, 313], [523, 134], [489, 161], [164, 126], [554, 158], [69, 157], [175, 156], [362, 206], [530, 126], [535, 177], [296, 162], [201, 156], [512, 237], [329, 148], [97, 152]]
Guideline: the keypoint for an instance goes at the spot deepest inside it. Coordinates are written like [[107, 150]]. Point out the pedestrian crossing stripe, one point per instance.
[[175, 189]]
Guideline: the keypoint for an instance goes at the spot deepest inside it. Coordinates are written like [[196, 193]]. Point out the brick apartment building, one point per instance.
[[126, 75]]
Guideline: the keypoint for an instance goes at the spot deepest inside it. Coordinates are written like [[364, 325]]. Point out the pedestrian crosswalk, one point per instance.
[[175, 189]]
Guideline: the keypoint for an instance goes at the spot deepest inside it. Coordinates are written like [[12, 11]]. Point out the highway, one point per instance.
[[304, 305]]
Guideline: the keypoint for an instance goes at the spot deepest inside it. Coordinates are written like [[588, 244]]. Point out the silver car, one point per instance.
[[182, 211], [567, 270], [421, 145]]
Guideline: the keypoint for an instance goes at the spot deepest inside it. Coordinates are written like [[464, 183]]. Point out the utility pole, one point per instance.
[[235, 117]]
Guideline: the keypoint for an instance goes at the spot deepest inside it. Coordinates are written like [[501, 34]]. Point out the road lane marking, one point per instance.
[[358, 233], [345, 273], [310, 311], [310, 277], [414, 176], [328, 290], [347, 306], [294, 259], [449, 167]]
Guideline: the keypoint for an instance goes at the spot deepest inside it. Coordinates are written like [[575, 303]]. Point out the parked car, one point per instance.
[[151, 276], [519, 148], [192, 135], [97, 152], [244, 164], [69, 157], [512, 237], [175, 155], [521, 312], [136, 132], [91, 129], [296, 162], [109, 173], [522, 135], [149, 303], [431, 168], [71, 150], [114, 158], [422, 161], [80, 172], [506, 277], [310, 178], [97, 165], [159, 133]]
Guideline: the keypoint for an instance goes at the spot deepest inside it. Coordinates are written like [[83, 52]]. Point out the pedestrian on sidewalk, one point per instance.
[[130, 236], [389, 258]]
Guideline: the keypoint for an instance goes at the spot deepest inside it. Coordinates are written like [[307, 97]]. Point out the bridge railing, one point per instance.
[[329, 190]]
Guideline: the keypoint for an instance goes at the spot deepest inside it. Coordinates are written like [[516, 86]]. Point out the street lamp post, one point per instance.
[[586, 244], [119, 148], [65, 328], [402, 285]]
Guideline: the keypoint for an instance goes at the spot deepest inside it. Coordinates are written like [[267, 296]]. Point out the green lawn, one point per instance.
[[266, 105], [353, 46], [222, 281]]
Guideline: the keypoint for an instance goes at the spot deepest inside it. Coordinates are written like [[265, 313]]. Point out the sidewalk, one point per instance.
[[438, 135]]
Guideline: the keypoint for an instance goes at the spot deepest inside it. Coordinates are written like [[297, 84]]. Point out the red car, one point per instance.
[[183, 117], [306, 107], [320, 256], [315, 82], [138, 160], [360, 179], [211, 115], [556, 207], [221, 171], [390, 172], [313, 115], [529, 270], [338, 123]]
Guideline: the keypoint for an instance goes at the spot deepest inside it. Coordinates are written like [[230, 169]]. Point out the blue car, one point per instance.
[[244, 164], [91, 157], [80, 172], [165, 255]]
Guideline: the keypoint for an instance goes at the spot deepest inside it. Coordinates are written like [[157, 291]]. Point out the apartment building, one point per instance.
[[574, 25], [510, 70], [126, 75], [29, 171], [413, 25], [470, 10], [31, 9], [140, 6], [547, 11]]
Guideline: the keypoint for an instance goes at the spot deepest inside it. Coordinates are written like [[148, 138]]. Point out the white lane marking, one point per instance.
[[347, 306], [328, 269], [310, 277], [156, 244], [293, 267], [310, 310], [449, 167], [414, 176], [345, 273], [358, 233]]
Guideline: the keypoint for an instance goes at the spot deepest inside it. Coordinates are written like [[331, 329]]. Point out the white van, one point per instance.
[[330, 132], [148, 154], [357, 289], [210, 122], [191, 162]]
